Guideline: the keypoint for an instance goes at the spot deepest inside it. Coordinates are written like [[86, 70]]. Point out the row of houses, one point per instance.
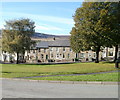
[[58, 50]]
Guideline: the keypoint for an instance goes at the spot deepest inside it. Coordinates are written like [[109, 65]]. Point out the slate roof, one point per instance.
[[55, 43], [60, 43], [42, 44]]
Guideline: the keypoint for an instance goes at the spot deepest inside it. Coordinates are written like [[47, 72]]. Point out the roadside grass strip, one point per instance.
[[112, 77], [31, 70]]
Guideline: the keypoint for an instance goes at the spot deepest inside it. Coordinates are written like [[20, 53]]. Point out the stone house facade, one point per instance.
[[57, 50], [51, 51], [110, 53]]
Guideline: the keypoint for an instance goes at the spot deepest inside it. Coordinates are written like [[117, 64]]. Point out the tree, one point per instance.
[[16, 36], [114, 24], [92, 25]]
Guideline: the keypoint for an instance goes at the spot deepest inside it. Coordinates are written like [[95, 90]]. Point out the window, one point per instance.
[[51, 49], [39, 49], [70, 49], [51, 55], [57, 49], [119, 54], [89, 55], [110, 53], [68, 55], [94, 54], [63, 48], [82, 55], [33, 51], [57, 55], [28, 51], [46, 56], [27, 57], [63, 56], [44, 50], [42, 56]]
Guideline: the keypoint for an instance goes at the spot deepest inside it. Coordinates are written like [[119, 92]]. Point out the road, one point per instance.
[[33, 89]]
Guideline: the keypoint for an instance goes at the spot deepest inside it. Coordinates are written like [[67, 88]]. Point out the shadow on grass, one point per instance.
[[49, 63]]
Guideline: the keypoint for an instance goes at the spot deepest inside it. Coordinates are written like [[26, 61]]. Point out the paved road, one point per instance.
[[33, 89]]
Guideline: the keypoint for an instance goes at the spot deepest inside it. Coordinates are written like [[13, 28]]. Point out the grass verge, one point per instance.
[[96, 77], [26, 70]]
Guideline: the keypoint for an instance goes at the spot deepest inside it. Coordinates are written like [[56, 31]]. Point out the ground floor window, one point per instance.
[[57, 55], [119, 53], [82, 55], [51, 55], [110, 53], [63, 56], [42, 56], [68, 55], [27, 57]]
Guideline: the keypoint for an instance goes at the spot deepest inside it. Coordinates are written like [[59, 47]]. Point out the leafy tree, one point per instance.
[[16, 36], [92, 25], [114, 24]]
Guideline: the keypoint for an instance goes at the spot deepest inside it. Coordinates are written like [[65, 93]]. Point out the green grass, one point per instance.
[[24, 70], [96, 77]]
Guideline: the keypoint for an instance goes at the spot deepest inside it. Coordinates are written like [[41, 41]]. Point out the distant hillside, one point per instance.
[[42, 35], [45, 36]]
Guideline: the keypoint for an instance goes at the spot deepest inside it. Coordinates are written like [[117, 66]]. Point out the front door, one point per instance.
[[46, 57]]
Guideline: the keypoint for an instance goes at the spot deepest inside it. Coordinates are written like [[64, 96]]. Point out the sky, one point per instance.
[[49, 17]]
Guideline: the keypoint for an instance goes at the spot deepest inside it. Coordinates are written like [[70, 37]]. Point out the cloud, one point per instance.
[[41, 17], [57, 25]]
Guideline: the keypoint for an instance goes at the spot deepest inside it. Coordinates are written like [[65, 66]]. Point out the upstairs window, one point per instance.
[[39, 50], [57, 49], [51, 49], [63, 48], [33, 51], [44, 50], [70, 49]]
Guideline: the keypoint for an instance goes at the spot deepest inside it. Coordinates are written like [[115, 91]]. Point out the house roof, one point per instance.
[[55, 43], [42, 44], [60, 43]]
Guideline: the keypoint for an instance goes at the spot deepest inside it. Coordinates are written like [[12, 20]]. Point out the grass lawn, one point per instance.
[[96, 77], [24, 70]]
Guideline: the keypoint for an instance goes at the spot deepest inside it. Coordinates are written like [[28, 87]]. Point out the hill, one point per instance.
[[40, 36]]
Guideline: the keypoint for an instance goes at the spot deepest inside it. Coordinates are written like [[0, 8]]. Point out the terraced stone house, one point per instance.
[[57, 50]]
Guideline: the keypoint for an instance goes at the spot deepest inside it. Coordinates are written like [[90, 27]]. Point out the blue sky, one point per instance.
[[49, 17]]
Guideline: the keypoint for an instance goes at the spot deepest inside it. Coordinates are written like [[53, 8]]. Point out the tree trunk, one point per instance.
[[97, 54], [17, 58], [116, 51], [107, 54], [23, 56]]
